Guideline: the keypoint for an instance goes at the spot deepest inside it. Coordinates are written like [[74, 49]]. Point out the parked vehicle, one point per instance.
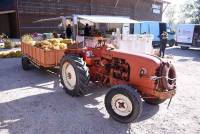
[[154, 28], [188, 35]]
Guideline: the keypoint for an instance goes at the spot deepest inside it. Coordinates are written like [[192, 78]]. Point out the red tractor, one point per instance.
[[132, 77]]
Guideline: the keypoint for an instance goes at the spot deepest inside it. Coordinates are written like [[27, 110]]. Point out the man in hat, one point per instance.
[[163, 44]]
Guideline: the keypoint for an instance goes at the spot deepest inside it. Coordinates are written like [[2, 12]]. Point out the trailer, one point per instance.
[[39, 57]]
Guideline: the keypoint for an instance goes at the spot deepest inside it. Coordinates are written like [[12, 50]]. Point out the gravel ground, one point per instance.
[[33, 102]]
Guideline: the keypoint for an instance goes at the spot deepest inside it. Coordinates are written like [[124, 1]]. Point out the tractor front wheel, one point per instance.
[[123, 103], [74, 75]]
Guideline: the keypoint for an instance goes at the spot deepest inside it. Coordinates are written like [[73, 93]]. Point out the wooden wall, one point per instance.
[[30, 11]]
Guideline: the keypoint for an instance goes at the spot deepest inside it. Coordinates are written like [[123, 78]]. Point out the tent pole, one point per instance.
[[117, 1]]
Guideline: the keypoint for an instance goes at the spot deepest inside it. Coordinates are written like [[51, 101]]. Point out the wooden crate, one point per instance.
[[41, 57]]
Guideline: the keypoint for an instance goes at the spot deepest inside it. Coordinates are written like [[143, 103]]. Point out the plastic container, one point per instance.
[[136, 44]]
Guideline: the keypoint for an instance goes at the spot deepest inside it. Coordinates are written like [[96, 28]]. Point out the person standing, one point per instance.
[[62, 35], [163, 44], [69, 31], [87, 30], [55, 35]]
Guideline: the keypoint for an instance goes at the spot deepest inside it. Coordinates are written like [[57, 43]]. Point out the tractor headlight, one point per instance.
[[143, 72]]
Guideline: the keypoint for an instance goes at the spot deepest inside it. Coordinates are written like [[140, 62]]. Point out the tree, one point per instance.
[[191, 11], [196, 18], [170, 15]]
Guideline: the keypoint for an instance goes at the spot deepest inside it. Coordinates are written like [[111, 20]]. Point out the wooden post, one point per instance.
[[18, 19], [64, 25], [117, 1], [90, 7]]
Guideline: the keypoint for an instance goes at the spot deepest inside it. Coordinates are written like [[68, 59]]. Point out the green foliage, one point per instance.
[[191, 11], [11, 54], [170, 15], [26, 38], [3, 36], [8, 43]]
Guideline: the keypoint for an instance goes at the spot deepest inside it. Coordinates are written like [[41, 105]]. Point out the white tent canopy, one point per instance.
[[96, 19], [107, 19]]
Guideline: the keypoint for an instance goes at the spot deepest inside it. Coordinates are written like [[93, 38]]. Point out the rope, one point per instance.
[[156, 78]]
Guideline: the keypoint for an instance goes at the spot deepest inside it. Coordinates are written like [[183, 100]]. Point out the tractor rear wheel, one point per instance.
[[153, 101], [74, 75], [123, 103], [25, 63]]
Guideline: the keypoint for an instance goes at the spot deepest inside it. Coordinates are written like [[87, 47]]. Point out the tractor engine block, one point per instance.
[[115, 68], [120, 69]]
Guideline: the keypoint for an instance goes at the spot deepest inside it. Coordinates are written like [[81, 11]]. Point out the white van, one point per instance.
[[188, 35]]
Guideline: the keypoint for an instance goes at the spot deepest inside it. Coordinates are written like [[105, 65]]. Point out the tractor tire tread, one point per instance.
[[82, 72]]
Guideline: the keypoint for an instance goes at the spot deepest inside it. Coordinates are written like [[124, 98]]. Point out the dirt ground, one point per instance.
[[33, 102]]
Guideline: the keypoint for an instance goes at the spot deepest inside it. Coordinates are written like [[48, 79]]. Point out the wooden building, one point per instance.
[[18, 16]]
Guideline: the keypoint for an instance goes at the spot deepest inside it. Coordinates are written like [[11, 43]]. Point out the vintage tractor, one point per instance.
[[132, 77]]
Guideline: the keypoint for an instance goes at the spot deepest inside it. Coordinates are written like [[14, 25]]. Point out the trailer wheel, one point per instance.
[[184, 48], [123, 103], [25, 63], [172, 42], [74, 75], [153, 101]]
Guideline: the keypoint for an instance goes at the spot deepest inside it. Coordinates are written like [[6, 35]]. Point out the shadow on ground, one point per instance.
[[12, 76]]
